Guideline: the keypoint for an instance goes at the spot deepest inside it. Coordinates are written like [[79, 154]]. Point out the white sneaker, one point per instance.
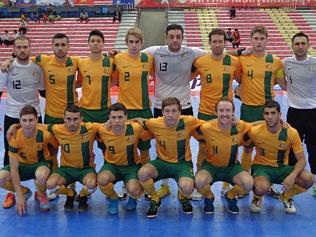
[[196, 196], [52, 196], [123, 194], [256, 204], [289, 206]]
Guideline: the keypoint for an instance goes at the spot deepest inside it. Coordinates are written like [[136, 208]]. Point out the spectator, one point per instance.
[[45, 17], [23, 27], [84, 16], [6, 38], [23, 17], [49, 9], [117, 14], [37, 18], [232, 12], [53, 17], [229, 35], [16, 34], [236, 39]]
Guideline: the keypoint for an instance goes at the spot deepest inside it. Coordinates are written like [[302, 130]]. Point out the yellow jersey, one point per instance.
[[273, 148], [133, 76]]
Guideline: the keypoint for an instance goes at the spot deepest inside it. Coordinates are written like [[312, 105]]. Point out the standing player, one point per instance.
[[29, 159], [257, 75], [76, 141], [23, 82], [95, 72], [121, 159], [172, 133], [270, 165], [131, 70], [222, 139], [300, 71]]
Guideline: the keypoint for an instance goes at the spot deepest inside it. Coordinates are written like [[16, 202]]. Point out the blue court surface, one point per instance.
[[171, 221]]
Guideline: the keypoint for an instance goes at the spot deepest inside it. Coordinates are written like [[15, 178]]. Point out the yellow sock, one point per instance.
[[41, 188], [201, 155], [84, 192], [246, 160], [296, 189], [24, 189], [65, 191], [181, 195], [109, 191], [8, 186], [256, 196], [144, 156], [206, 191], [235, 191], [149, 188]]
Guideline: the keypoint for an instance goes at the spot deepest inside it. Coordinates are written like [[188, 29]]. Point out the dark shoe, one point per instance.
[[153, 209]]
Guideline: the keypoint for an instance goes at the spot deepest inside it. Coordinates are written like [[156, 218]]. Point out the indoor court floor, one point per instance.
[[171, 221]]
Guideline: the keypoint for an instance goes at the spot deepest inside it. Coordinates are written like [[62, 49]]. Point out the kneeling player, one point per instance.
[[270, 165], [222, 139], [122, 161], [76, 141], [172, 133], [28, 153]]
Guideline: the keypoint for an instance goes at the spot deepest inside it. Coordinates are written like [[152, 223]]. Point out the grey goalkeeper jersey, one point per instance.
[[173, 73], [22, 83], [301, 82]]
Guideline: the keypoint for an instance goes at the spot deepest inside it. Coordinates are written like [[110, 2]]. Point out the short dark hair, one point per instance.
[[300, 34], [28, 109], [225, 99], [97, 33], [272, 104], [60, 36], [171, 101], [174, 27], [259, 29], [216, 31], [118, 107], [22, 38], [72, 109]]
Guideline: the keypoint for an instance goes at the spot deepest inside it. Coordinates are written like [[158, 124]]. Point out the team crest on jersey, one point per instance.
[[180, 133], [39, 146], [145, 66], [226, 68], [234, 139], [130, 139], [282, 145], [269, 67], [106, 71], [84, 137], [36, 75]]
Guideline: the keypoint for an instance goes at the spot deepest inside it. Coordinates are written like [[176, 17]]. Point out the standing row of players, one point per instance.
[[172, 63]]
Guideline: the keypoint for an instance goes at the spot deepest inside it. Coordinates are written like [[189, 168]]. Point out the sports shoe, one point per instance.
[[9, 200], [224, 190], [147, 197], [314, 190], [256, 204], [288, 205], [208, 205], [77, 198], [123, 195], [131, 204], [196, 196], [43, 202], [273, 192], [69, 204], [186, 206], [153, 209], [52, 196], [232, 205], [83, 205], [113, 206], [163, 191]]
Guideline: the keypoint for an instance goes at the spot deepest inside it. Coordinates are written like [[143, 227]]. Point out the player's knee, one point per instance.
[[103, 179], [144, 173], [260, 188], [186, 186], [91, 183], [200, 181]]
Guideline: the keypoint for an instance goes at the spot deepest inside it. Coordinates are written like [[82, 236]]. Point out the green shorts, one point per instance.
[[72, 175], [141, 113], [172, 170], [52, 120], [206, 117], [93, 115], [225, 174], [122, 172], [275, 175], [249, 113], [27, 172]]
